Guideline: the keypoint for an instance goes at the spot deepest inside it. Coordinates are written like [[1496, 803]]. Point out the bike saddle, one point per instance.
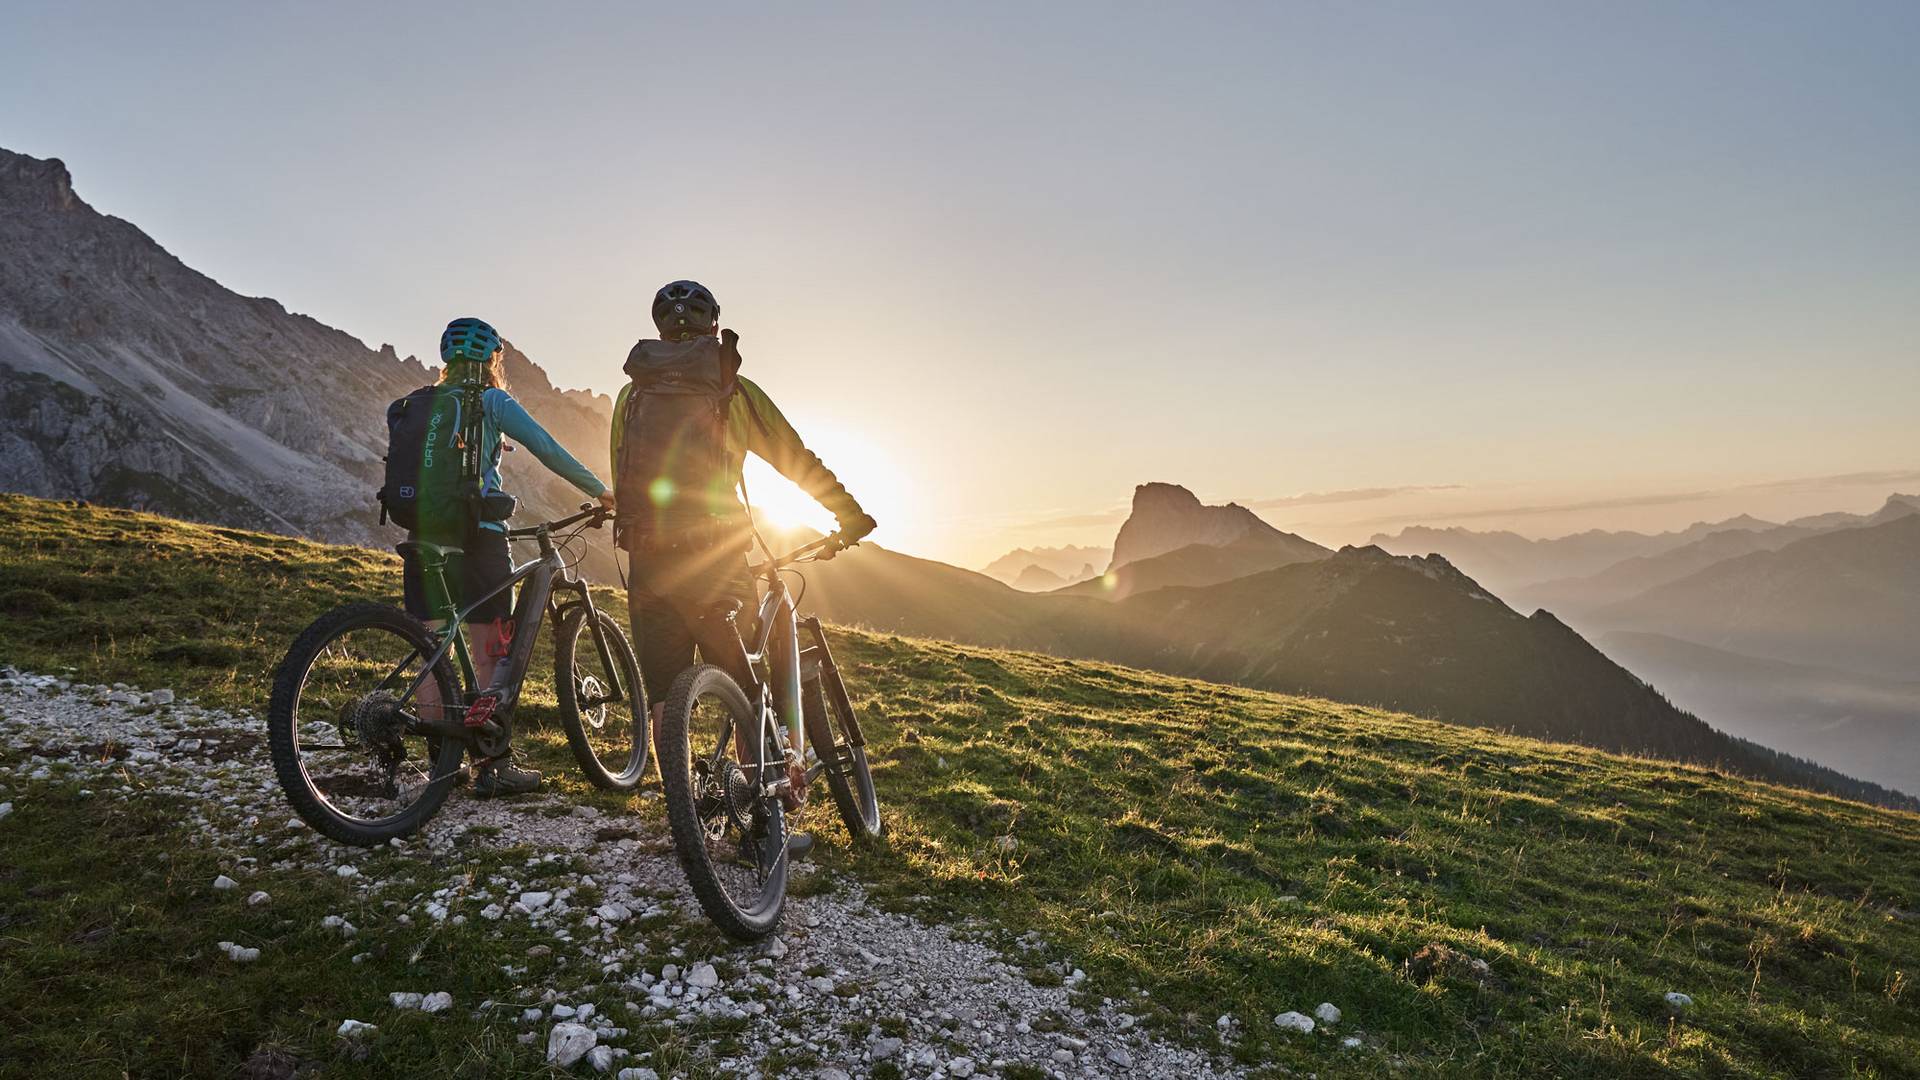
[[428, 554]]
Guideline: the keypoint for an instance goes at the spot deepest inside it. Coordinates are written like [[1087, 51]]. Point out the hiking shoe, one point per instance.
[[503, 778]]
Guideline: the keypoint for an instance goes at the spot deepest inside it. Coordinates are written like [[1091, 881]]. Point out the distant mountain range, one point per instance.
[[1358, 625], [1045, 568], [1863, 725], [1508, 562], [1573, 598], [1849, 598], [128, 378]]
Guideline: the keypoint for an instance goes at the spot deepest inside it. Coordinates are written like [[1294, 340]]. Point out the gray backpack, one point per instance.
[[673, 485]]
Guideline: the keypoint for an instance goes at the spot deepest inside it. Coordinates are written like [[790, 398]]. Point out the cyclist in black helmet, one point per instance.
[[681, 431]]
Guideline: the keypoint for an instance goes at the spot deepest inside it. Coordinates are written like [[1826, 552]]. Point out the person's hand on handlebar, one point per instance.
[[852, 531], [606, 500]]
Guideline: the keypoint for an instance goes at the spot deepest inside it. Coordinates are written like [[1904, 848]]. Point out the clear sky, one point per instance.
[[1539, 266]]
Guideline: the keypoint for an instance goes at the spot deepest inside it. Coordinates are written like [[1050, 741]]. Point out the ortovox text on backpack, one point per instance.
[[433, 473]]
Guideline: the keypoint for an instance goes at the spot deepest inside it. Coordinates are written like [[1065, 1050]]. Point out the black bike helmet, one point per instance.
[[684, 309]]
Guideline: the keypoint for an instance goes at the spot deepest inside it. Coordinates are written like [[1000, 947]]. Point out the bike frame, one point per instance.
[[776, 648], [542, 576]]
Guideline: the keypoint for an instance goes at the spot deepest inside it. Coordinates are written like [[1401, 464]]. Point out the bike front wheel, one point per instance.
[[341, 725], [830, 729], [730, 836], [602, 703]]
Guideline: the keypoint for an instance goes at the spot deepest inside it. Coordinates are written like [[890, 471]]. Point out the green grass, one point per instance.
[[1198, 850]]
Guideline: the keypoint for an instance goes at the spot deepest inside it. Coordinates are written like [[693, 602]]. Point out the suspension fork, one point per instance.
[[830, 680]]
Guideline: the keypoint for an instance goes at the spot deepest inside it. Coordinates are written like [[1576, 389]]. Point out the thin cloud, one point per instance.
[[1832, 482], [1621, 503], [1837, 480], [1324, 498], [1077, 521]]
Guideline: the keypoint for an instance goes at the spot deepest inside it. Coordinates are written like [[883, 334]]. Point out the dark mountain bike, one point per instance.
[[724, 752], [373, 712]]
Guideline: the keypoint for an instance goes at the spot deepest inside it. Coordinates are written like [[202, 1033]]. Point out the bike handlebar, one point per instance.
[[830, 541], [600, 515]]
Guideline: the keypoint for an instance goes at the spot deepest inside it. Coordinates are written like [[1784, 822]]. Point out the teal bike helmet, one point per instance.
[[468, 339]]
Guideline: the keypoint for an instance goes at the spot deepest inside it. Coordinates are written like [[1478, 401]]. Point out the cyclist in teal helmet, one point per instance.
[[472, 351]]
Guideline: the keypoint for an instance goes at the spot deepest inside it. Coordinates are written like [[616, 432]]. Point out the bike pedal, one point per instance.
[[480, 713]]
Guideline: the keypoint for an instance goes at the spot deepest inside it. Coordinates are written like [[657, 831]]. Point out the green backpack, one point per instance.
[[433, 470]]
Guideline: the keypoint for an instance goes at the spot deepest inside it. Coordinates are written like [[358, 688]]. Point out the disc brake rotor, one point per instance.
[[591, 693]]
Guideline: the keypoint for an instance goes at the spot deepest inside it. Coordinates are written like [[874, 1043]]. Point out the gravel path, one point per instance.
[[957, 1006]]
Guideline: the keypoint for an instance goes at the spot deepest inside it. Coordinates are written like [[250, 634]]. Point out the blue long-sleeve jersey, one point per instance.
[[501, 416]]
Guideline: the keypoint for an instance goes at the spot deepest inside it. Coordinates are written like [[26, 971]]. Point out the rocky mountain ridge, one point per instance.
[[129, 378], [1168, 517]]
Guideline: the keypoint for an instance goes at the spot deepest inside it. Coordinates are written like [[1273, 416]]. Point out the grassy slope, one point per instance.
[[1222, 850]]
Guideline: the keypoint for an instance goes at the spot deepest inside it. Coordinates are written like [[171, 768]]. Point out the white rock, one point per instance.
[[1293, 1021], [583, 1011], [601, 1058], [161, 697], [1678, 1002], [1327, 1012], [240, 954], [1351, 1042], [348, 871], [355, 1029], [568, 1043], [961, 1067], [1005, 844], [1071, 1043], [564, 1012], [534, 901], [531, 1016], [404, 999], [886, 1048], [437, 1002], [703, 976], [5, 809], [637, 1074], [1118, 1055], [1224, 1022], [258, 898], [774, 948], [821, 983], [492, 911], [223, 883], [670, 973], [613, 913]]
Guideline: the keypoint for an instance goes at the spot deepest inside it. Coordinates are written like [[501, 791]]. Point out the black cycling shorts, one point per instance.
[[483, 564]]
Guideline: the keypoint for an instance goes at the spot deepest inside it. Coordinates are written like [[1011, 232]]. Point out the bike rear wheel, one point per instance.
[[603, 706], [338, 725], [730, 837]]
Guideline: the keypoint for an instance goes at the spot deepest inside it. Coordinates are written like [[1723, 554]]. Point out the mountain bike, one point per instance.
[[724, 752], [372, 711]]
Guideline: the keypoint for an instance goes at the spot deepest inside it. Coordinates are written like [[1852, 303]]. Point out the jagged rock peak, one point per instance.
[[1166, 517], [35, 184]]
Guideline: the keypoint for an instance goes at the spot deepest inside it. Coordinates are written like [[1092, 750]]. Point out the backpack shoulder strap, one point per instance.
[[730, 357]]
